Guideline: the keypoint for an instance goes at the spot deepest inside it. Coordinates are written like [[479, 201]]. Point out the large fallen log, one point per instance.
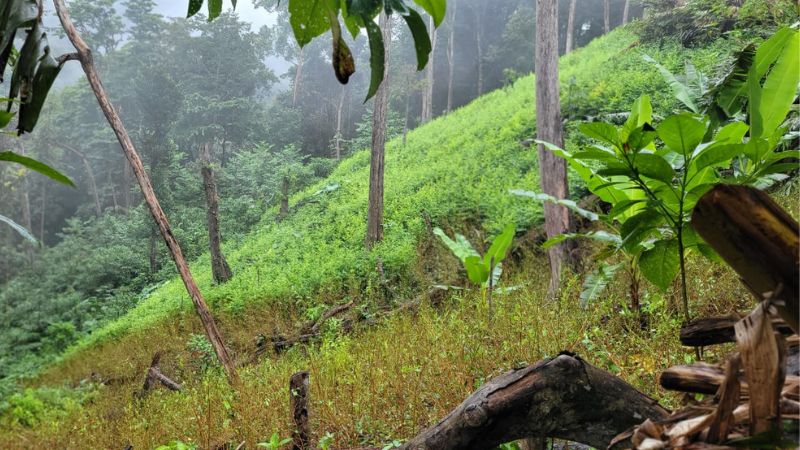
[[564, 397], [719, 330], [758, 239]]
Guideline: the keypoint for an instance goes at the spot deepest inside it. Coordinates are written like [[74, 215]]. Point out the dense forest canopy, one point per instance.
[[246, 116]]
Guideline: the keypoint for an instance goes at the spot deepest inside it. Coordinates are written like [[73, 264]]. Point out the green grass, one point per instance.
[[457, 171]]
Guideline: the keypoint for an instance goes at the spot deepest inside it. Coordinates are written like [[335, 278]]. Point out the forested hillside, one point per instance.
[[87, 307]]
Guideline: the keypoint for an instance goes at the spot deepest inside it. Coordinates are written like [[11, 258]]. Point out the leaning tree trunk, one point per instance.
[[563, 398], [375, 213], [552, 169], [84, 55], [219, 266], [570, 27]]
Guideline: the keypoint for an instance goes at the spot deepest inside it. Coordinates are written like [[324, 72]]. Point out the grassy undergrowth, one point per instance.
[[389, 380]]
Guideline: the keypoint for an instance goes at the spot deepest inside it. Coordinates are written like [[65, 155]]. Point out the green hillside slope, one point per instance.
[[456, 172]]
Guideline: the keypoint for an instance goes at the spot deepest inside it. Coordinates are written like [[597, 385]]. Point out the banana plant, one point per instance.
[[484, 271]]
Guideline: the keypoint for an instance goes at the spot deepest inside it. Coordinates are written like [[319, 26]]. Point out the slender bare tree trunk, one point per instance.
[[42, 212], [338, 138], [85, 56], [570, 27], [405, 121], [626, 11], [375, 213], [552, 169], [479, 44], [427, 96], [26, 205], [606, 16], [152, 249], [451, 55], [298, 76], [126, 185], [220, 269]]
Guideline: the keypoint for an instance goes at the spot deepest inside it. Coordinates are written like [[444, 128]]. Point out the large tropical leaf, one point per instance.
[[36, 166], [596, 283], [460, 246], [569, 204], [661, 264]]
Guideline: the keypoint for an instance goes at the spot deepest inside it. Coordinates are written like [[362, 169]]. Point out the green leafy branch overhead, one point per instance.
[[312, 18]]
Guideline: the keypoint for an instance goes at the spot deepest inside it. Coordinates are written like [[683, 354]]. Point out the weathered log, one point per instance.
[[155, 376], [700, 378], [719, 330], [758, 239], [728, 395], [298, 401], [564, 397]]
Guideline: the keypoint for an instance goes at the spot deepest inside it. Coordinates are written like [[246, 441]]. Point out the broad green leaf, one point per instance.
[[639, 139], [639, 227], [497, 251], [770, 50], [43, 80], [595, 154], [214, 9], [422, 42], [641, 113], [36, 166], [602, 131], [660, 264], [717, 154], [732, 133], [729, 92], [754, 105], [435, 8], [654, 166], [477, 271], [19, 229], [681, 133], [309, 19], [780, 87], [624, 206], [365, 9], [569, 204], [681, 91], [194, 7], [5, 118], [460, 247], [596, 283], [377, 59]]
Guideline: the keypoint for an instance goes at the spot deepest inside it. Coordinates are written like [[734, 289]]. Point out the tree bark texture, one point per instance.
[[379, 111], [85, 57], [552, 169], [719, 330], [337, 144], [298, 404], [570, 26], [563, 398], [220, 269], [758, 239]]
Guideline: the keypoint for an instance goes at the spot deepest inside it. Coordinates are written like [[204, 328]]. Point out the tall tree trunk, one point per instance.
[[220, 269], [451, 55], [42, 212], [626, 11], [570, 27], [337, 144], [126, 185], [84, 54], [298, 76], [606, 16], [27, 222], [152, 249], [375, 213], [479, 43], [427, 96], [552, 169]]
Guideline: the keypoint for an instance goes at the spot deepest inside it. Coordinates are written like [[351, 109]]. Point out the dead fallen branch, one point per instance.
[[719, 330], [564, 397], [155, 376]]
